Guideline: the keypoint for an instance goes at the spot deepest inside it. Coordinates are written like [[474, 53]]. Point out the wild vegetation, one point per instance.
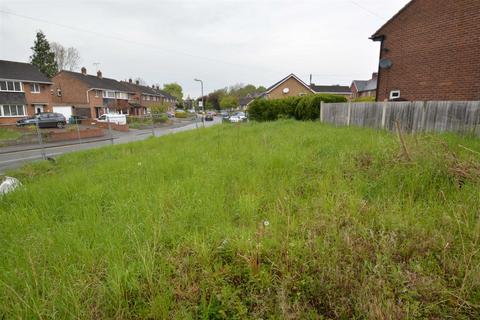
[[275, 220]]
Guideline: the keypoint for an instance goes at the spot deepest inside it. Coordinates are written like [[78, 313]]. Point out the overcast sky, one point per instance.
[[223, 42]]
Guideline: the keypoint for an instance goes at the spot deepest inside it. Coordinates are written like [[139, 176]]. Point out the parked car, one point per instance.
[[44, 120], [170, 114], [209, 117], [113, 118], [238, 117]]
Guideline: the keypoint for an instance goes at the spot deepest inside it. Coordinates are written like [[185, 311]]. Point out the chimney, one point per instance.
[[99, 74], [130, 80], [153, 86], [137, 82], [84, 71], [375, 75], [158, 88]]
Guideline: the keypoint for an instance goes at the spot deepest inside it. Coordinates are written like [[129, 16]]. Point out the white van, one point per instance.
[[113, 118]]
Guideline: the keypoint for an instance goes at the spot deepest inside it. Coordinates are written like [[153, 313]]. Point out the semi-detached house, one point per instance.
[[24, 91], [88, 95]]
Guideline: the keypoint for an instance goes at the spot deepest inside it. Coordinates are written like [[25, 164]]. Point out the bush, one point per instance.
[[181, 115], [301, 108]]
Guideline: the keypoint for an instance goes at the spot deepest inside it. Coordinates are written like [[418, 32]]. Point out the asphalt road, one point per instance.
[[15, 159]]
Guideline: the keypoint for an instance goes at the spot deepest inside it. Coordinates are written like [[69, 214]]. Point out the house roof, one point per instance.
[[245, 101], [365, 85], [269, 89], [11, 70], [166, 95], [12, 98], [336, 89], [94, 82], [378, 35], [143, 89]]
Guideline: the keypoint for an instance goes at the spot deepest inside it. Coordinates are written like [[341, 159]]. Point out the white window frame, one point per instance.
[[121, 95], [395, 94], [36, 88], [109, 94], [2, 113], [6, 82]]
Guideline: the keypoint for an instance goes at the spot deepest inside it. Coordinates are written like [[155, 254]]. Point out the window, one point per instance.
[[148, 98], [122, 95], [96, 94], [34, 88], [109, 94], [395, 94], [14, 86], [12, 110], [59, 92]]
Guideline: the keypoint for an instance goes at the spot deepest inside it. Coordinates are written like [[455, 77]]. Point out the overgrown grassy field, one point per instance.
[[259, 221]]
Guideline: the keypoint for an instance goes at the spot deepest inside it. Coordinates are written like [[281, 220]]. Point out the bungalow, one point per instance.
[[24, 91], [335, 89], [90, 96], [430, 51], [364, 88], [293, 86]]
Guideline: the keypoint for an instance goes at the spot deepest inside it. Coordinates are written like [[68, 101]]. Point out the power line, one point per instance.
[[368, 10], [117, 38]]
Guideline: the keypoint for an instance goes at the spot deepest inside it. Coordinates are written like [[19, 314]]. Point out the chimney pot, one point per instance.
[[158, 88], [130, 80], [137, 82], [84, 70], [99, 74]]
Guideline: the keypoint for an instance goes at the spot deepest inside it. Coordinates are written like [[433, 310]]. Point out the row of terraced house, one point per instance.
[[25, 91]]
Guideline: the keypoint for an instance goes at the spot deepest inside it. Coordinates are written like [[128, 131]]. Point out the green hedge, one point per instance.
[[300, 108]]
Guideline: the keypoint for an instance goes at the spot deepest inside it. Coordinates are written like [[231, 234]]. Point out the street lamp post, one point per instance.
[[203, 101]]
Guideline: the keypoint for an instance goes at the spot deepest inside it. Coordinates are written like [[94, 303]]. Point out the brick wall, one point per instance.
[[295, 89], [435, 49], [44, 98], [73, 90]]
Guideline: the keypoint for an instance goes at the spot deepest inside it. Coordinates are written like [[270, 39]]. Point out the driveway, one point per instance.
[[11, 158]]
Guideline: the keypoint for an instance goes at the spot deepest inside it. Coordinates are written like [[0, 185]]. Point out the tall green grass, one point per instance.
[[274, 220]]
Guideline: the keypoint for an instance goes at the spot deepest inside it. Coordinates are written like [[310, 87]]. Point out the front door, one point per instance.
[[38, 108]]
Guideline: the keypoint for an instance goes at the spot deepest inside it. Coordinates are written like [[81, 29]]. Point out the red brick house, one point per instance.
[[430, 50], [24, 91], [364, 88], [143, 97], [90, 96]]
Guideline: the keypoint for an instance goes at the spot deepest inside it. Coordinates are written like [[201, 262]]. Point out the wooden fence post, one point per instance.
[[384, 114], [349, 113], [424, 116], [321, 111]]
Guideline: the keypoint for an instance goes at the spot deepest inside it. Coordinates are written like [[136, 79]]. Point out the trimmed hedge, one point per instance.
[[300, 108]]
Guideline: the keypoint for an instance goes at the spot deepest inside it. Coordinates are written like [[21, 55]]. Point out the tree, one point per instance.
[[43, 58], [213, 98], [229, 102], [66, 58], [159, 108], [174, 89]]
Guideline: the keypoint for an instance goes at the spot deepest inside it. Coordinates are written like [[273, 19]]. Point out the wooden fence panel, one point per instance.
[[366, 114], [434, 116]]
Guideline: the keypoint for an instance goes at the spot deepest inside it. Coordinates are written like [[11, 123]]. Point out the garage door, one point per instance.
[[65, 110]]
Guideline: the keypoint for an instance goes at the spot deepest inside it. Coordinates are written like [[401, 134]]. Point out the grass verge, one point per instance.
[[273, 220]]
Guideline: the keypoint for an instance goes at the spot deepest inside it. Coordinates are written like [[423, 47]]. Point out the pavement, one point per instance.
[[17, 156]]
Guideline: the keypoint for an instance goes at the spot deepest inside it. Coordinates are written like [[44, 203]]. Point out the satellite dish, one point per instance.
[[286, 90], [386, 63]]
